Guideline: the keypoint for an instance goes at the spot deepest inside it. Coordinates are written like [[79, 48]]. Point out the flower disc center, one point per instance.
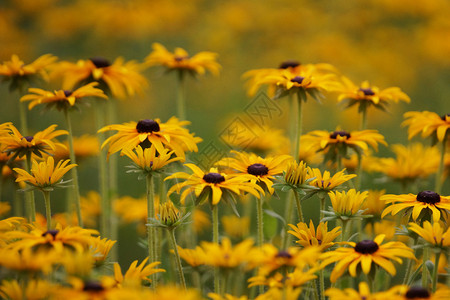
[[298, 79], [100, 62], [284, 254], [213, 178], [446, 116], [28, 138], [180, 58], [335, 134], [258, 170], [289, 64], [67, 93], [367, 91], [53, 232], [429, 197], [417, 292], [148, 126], [366, 247], [93, 286]]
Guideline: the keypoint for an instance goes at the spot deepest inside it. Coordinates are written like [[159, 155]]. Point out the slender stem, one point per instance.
[[322, 205], [299, 206], [288, 218], [74, 171], [150, 230], [322, 284], [113, 160], [181, 99], [298, 126], [439, 179], [29, 196], [435, 270], [102, 167], [363, 122], [23, 117], [358, 172], [215, 219], [410, 262], [48, 209], [425, 256], [177, 258], [315, 290], [259, 222]]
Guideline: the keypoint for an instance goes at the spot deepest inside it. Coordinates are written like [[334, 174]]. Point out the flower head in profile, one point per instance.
[[261, 170], [426, 204], [119, 79], [20, 73], [181, 61], [346, 205], [40, 143], [171, 135], [295, 177], [168, 216], [367, 253], [62, 99], [45, 175], [367, 95], [326, 182], [434, 234], [136, 273], [310, 236], [427, 123], [213, 186]]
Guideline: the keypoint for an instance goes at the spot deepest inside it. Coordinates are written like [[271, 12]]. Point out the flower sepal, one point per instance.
[[333, 215], [154, 222], [49, 188]]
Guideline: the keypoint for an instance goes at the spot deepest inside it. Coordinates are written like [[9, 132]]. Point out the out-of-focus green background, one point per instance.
[[390, 43]]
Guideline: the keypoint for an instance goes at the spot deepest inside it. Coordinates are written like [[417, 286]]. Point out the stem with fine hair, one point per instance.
[[425, 256], [151, 230], [358, 172], [215, 218], [48, 211], [363, 122], [439, 179], [177, 257], [436, 270], [298, 126], [299, 206], [259, 222], [288, 219], [181, 98], [29, 196], [322, 205], [410, 262], [74, 171]]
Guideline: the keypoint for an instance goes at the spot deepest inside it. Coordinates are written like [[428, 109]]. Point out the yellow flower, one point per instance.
[[99, 248], [27, 260], [201, 220], [135, 274], [45, 175], [418, 292], [295, 279], [84, 146], [38, 144], [236, 227], [34, 289], [91, 208], [134, 210], [121, 78], [5, 207], [426, 201], [180, 60], [426, 123], [366, 95], [170, 134], [325, 181], [168, 213], [385, 227], [308, 236], [77, 263], [347, 203], [373, 204], [262, 170], [194, 257], [226, 297], [212, 185], [364, 293], [296, 173], [147, 160], [432, 233], [288, 293], [61, 99], [366, 253]]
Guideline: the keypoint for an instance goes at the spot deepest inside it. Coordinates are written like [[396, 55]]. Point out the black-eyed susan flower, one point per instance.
[[366, 253], [136, 273], [86, 288], [45, 175], [171, 134], [33, 289], [180, 60], [194, 257], [19, 73], [310, 236], [295, 177], [367, 95], [27, 260], [40, 143], [325, 182], [433, 234], [363, 292], [262, 170], [288, 293], [77, 263], [62, 99], [213, 185], [297, 278], [426, 204], [426, 123], [373, 204], [236, 227], [418, 292], [120, 78], [99, 248], [346, 205]]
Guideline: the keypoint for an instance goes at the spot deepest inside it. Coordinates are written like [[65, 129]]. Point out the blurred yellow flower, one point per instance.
[[426, 123], [34, 289], [236, 227], [432, 233], [84, 146], [135, 274]]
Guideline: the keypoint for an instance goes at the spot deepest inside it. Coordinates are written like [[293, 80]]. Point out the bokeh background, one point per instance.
[[390, 43]]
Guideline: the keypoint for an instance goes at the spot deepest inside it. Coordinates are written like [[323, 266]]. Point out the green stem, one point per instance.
[[410, 262], [48, 210], [29, 196], [259, 222], [215, 219], [322, 285], [322, 205], [425, 256], [298, 126], [150, 230], [113, 160], [358, 172], [177, 258], [74, 171], [181, 99], [435, 270], [363, 122], [315, 289], [288, 218], [299, 206], [102, 175], [23, 117], [439, 179]]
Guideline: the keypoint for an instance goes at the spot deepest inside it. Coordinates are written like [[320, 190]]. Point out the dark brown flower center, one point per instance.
[[284, 254], [258, 170], [429, 197], [366, 247], [67, 93], [445, 116], [298, 79], [417, 292], [93, 286], [181, 58], [100, 62], [147, 126], [213, 178], [28, 138], [53, 232], [335, 134], [289, 64], [367, 91]]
